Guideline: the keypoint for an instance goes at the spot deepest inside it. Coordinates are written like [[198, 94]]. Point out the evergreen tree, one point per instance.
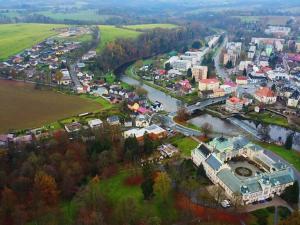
[[289, 141], [291, 193], [147, 188]]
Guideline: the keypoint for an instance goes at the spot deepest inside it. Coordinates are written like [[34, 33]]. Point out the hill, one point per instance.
[[151, 26]]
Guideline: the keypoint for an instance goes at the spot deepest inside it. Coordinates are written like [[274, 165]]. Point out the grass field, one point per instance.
[[290, 156], [151, 26], [82, 15], [111, 33], [269, 118], [184, 144], [24, 107], [15, 38]]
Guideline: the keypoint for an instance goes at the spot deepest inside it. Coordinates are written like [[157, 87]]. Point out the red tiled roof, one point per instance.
[[241, 78], [265, 92], [209, 81]]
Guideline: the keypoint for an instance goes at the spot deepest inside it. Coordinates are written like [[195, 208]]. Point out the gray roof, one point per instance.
[[213, 162], [230, 180], [204, 150]]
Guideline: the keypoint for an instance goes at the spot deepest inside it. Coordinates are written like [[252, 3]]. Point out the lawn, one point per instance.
[[151, 26], [111, 33], [270, 118], [22, 106], [290, 156], [184, 144], [116, 190], [14, 38]]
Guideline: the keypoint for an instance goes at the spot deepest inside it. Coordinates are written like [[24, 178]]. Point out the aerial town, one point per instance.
[[194, 121]]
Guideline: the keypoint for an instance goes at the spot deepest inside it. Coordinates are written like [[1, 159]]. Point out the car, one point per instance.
[[225, 203]]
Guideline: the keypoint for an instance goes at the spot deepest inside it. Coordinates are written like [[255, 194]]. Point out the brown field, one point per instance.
[[21, 106]]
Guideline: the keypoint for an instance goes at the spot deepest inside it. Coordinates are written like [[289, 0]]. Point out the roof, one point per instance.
[[265, 92], [204, 150], [213, 162], [230, 180], [209, 81], [241, 78]]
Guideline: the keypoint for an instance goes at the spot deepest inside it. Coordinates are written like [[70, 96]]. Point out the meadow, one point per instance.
[[111, 33], [151, 26], [22, 106], [14, 38]]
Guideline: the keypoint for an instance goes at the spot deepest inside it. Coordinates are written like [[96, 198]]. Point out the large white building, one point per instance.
[[242, 169], [278, 31]]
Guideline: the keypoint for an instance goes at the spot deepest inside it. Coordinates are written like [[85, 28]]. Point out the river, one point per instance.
[[228, 129], [170, 103]]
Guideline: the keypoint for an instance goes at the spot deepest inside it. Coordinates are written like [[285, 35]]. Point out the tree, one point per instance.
[[244, 72], [291, 193], [148, 144], [196, 44], [126, 211], [141, 92], [162, 185], [131, 148], [193, 81], [154, 221], [168, 66], [219, 193], [293, 219], [189, 72], [182, 114], [206, 129], [289, 141], [45, 188], [139, 64], [147, 188], [58, 76], [229, 64]]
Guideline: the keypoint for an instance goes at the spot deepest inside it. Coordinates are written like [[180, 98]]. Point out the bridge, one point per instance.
[[201, 105]]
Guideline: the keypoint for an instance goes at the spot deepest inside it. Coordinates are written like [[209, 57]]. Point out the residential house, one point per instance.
[[208, 84], [95, 123], [73, 127], [265, 95], [234, 104], [142, 121], [241, 80], [66, 78], [154, 131], [293, 100], [113, 120]]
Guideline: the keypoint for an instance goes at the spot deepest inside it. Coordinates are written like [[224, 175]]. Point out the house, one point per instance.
[[208, 84], [95, 123], [251, 52], [229, 87], [234, 104], [113, 120], [277, 75], [142, 121], [199, 72], [168, 150], [265, 95], [219, 92], [23, 139], [73, 127], [154, 131], [244, 65], [293, 100], [241, 80], [298, 47], [185, 85], [66, 78], [157, 106]]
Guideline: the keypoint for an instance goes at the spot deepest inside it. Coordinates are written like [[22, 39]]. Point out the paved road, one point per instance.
[[220, 71], [74, 77]]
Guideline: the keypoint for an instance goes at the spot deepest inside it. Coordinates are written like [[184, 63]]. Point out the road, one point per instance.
[[220, 71], [207, 102]]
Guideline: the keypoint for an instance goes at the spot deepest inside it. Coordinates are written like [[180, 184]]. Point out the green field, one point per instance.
[[151, 26], [14, 38], [24, 107], [111, 33], [82, 15], [184, 144], [269, 118], [290, 156]]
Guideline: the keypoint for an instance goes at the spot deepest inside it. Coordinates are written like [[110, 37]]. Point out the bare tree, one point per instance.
[[206, 129]]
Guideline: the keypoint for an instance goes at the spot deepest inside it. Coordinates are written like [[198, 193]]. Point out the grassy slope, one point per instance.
[[15, 38], [184, 144], [270, 118], [111, 33], [26, 107], [151, 26]]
